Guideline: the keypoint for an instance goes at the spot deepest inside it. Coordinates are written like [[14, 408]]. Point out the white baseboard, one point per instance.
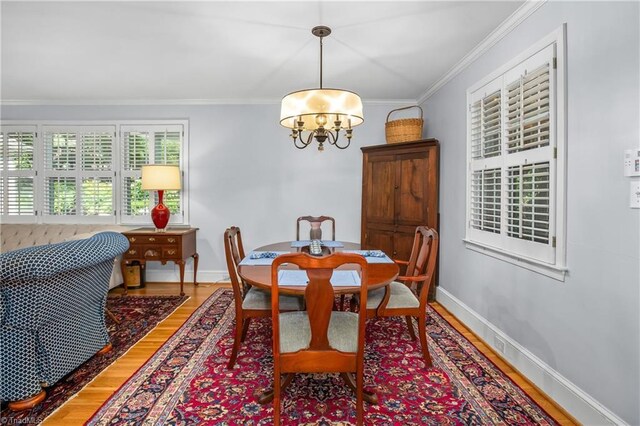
[[573, 399], [159, 275]]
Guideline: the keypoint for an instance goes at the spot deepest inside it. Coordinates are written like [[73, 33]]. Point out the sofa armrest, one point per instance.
[[44, 261]]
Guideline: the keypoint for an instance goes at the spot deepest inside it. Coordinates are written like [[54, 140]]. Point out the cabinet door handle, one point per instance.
[[132, 239], [132, 252], [171, 240], [171, 252], [395, 252], [152, 239]]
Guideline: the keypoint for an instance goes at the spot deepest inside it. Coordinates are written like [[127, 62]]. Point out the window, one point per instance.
[[79, 172], [515, 153], [149, 145], [56, 173], [18, 172]]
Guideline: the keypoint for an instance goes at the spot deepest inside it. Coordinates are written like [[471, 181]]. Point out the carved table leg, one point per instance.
[[181, 265], [195, 268]]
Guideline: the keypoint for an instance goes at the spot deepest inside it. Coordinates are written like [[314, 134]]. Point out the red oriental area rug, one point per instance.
[[187, 382], [138, 315]]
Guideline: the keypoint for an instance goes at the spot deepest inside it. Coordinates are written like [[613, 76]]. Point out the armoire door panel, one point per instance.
[[379, 188], [412, 191], [379, 240], [402, 245]]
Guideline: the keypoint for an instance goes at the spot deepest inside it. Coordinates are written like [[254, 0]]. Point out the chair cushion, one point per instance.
[[258, 299], [401, 297], [295, 332]]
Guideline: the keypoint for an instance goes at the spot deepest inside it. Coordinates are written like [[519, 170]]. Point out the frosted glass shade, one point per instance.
[[156, 177], [308, 105]]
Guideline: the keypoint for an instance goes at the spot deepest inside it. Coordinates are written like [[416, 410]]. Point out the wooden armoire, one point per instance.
[[399, 192]]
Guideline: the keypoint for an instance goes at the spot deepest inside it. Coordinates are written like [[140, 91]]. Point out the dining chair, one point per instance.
[[315, 233], [399, 299], [318, 340], [249, 301]]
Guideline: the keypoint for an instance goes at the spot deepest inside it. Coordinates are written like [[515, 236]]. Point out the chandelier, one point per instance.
[[321, 112]]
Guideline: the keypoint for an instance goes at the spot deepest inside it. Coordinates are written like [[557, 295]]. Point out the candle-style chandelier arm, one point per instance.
[[298, 139], [333, 137], [336, 138]]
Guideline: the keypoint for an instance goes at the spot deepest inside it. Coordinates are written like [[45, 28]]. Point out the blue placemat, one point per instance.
[[261, 258], [372, 256], [296, 277]]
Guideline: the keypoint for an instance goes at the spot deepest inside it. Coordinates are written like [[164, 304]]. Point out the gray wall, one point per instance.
[[244, 170], [588, 327]]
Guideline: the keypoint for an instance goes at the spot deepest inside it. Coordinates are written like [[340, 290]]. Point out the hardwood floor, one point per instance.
[[79, 409]]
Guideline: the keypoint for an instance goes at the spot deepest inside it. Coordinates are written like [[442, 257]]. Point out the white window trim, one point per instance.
[[558, 269], [40, 218]]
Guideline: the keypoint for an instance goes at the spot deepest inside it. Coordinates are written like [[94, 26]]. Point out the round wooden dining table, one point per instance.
[[380, 274]]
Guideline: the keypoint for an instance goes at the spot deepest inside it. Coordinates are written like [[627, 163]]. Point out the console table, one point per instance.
[[175, 245]]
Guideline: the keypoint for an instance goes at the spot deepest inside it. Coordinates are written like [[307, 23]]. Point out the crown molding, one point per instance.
[[124, 102], [508, 25], [172, 102]]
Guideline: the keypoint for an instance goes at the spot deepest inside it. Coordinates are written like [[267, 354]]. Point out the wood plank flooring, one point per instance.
[[79, 409]]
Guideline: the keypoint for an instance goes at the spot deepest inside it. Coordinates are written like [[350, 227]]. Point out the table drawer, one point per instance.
[[160, 239], [171, 252], [134, 252], [147, 252]]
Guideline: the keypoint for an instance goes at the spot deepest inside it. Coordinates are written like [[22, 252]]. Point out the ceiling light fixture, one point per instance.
[[321, 112]]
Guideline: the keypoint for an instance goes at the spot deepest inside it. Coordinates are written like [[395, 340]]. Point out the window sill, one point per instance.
[[552, 271]]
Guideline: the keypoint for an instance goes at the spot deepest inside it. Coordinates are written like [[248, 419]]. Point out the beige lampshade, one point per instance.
[[156, 177], [307, 105]]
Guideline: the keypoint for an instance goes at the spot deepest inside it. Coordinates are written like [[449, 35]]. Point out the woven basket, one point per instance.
[[404, 129]]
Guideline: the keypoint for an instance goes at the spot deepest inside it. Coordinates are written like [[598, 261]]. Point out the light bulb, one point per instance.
[[321, 120]]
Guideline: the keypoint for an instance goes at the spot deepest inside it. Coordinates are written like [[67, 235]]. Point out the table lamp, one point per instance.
[[156, 177]]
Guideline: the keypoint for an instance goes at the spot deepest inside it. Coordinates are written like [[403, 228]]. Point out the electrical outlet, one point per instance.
[[499, 344], [634, 195]]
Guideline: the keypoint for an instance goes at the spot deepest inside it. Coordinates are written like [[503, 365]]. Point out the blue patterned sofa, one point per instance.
[[52, 307]]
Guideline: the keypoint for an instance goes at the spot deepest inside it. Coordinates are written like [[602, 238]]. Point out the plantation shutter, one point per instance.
[[149, 144], [511, 195], [18, 172], [530, 164], [528, 202], [485, 162], [79, 172], [485, 200]]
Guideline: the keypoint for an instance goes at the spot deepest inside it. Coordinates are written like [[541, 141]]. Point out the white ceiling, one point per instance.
[[232, 51]]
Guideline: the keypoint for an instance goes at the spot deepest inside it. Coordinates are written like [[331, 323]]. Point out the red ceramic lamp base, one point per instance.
[[160, 214]]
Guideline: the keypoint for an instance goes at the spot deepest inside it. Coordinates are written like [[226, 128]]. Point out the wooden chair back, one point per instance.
[[234, 252], [423, 259], [316, 222], [319, 297]]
